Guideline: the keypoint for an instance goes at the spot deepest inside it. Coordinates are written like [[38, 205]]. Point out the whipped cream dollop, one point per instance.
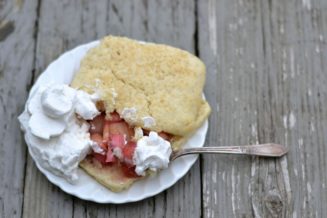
[[151, 152], [55, 135]]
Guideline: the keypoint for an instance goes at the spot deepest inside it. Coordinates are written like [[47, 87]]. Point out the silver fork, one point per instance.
[[264, 150]]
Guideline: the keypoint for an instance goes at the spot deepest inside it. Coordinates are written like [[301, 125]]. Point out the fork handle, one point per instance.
[[264, 150]]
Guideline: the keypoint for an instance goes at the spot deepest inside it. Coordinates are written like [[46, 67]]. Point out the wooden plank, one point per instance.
[[17, 21], [266, 60], [226, 33], [64, 25]]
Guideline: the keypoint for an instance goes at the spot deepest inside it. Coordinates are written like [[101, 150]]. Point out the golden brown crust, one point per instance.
[[110, 176], [160, 81]]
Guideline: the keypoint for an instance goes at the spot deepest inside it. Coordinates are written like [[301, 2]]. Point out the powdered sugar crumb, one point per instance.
[[149, 121], [129, 113]]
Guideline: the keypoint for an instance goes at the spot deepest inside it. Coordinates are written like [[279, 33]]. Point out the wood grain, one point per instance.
[[65, 24], [16, 65], [266, 76], [266, 60]]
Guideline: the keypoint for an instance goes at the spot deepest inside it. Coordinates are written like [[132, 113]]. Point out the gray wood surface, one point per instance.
[[63, 25], [17, 42], [266, 81], [266, 76]]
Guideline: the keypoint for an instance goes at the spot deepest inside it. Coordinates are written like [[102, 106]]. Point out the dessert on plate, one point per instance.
[[129, 105]]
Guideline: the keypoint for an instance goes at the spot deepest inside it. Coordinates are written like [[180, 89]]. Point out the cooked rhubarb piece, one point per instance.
[[165, 135], [114, 117], [106, 131], [121, 128], [129, 170], [100, 157], [117, 141], [99, 140], [128, 152], [115, 136], [96, 125], [110, 158]]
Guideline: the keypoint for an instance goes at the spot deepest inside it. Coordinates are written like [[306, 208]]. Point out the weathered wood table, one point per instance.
[[266, 82]]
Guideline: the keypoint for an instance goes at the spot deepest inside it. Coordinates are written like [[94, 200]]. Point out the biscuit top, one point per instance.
[[156, 87]]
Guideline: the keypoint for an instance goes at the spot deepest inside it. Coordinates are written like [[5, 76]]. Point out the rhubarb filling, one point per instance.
[[115, 142]]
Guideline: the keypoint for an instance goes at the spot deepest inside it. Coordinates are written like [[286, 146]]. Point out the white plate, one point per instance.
[[62, 70]]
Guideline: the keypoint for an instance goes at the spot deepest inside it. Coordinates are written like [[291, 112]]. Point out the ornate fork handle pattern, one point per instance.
[[264, 150]]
